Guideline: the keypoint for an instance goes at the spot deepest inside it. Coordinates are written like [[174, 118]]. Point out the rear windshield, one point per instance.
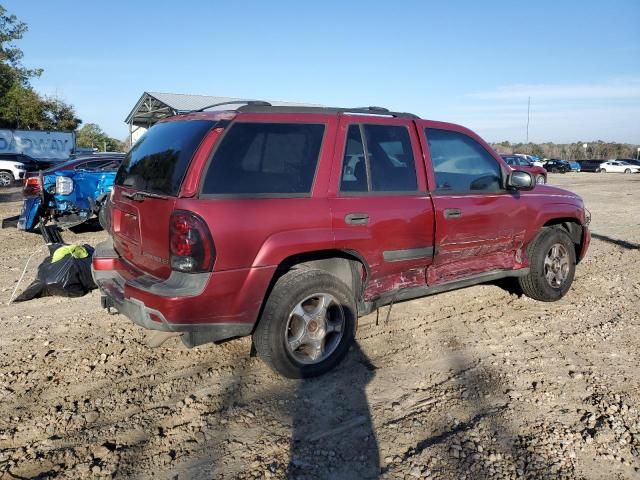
[[265, 159], [158, 162]]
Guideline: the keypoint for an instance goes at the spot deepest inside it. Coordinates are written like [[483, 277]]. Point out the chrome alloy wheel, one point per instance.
[[556, 265], [6, 179], [315, 328]]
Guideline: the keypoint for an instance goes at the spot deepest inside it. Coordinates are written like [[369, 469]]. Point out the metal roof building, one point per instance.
[[153, 106]]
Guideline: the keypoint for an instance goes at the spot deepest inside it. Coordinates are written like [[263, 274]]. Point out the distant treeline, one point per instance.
[[570, 151]]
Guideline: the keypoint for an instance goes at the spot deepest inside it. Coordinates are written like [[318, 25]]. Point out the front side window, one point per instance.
[[265, 159], [385, 165], [462, 165]]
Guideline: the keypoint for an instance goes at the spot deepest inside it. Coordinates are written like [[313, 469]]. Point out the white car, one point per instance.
[[535, 161], [616, 166], [11, 172]]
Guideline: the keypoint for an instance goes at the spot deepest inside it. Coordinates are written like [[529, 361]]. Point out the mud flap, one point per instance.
[[10, 222]]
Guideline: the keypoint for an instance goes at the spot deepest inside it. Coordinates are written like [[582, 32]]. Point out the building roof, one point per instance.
[[153, 106]]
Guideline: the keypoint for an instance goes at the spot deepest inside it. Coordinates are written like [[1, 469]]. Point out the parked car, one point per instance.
[[11, 170], [590, 165], [616, 166], [631, 161], [575, 166], [532, 159], [289, 223], [557, 166], [73, 191], [519, 163]]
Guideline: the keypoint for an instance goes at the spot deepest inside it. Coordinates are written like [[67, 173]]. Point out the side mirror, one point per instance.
[[519, 180]]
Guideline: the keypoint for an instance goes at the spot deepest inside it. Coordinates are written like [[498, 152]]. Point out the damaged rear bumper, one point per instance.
[[171, 293]]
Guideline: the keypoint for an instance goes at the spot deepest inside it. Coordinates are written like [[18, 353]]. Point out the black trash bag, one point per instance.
[[68, 277]]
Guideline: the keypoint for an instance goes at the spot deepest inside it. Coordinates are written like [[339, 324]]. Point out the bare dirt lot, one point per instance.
[[476, 383]]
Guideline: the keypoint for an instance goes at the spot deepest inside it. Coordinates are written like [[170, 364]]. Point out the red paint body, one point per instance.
[[253, 236]]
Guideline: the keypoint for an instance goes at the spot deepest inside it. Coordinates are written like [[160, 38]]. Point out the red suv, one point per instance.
[[289, 223]]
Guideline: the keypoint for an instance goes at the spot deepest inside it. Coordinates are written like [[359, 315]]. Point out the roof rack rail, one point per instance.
[[374, 109], [260, 103], [257, 108]]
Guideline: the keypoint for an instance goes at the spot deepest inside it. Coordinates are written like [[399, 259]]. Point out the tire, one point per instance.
[[602, 170], [287, 341], [540, 180], [543, 282], [628, 170], [6, 179]]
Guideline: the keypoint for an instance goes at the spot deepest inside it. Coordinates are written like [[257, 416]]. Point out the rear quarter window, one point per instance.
[[159, 161], [274, 159]]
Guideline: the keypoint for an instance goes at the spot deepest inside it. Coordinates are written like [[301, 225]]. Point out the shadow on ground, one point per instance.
[[6, 197], [616, 241]]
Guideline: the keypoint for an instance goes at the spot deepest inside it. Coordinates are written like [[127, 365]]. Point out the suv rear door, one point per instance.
[[480, 226], [379, 203]]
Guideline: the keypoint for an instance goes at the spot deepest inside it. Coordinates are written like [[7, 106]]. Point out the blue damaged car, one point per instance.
[[70, 193]]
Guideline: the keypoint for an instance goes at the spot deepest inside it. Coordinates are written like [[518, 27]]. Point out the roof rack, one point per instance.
[[261, 103], [381, 111]]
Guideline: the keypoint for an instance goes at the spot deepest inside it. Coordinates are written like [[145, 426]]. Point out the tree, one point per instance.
[[92, 136], [20, 105], [11, 29]]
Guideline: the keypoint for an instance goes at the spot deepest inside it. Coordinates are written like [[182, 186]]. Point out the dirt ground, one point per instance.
[[476, 383]]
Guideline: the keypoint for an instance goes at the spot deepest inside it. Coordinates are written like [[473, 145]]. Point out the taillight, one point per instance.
[[190, 243], [31, 186]]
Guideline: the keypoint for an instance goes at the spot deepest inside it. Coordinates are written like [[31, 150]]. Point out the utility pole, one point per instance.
[[528, 114]]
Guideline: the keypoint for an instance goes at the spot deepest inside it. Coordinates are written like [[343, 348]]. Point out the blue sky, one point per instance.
[[468, 62]]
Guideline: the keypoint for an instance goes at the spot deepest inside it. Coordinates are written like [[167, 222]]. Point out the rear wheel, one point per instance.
[[6, 179], [307, 325], [552, 265], [627, 170], [540, 180]]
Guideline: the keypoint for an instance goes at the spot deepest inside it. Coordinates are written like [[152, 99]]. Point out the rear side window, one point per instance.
[[108, 164], [265, 159], [462, 165], [385, 165], [158, 162]]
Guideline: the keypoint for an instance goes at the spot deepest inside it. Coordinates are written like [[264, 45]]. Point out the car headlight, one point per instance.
[[64, 185], [19, 166]]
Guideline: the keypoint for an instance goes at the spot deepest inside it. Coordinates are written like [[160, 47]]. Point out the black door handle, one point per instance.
[[356, 218], [452, 213]]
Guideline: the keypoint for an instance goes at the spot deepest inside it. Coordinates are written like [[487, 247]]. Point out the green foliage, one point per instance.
[[11, 29], [20, 105], [92, 136]]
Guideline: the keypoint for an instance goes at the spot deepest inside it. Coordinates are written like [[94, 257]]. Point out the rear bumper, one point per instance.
[[202, 310]]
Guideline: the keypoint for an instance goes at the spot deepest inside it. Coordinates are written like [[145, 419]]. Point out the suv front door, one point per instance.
[[480, 226], [379, 204]]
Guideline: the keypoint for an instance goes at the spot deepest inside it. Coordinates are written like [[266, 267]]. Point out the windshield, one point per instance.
[[158, 162]]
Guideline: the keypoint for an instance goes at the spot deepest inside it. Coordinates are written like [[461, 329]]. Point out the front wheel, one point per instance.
[[6, 179], [552, 266], [308, 323], [627, 170], [603, 170], [540, 180]]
